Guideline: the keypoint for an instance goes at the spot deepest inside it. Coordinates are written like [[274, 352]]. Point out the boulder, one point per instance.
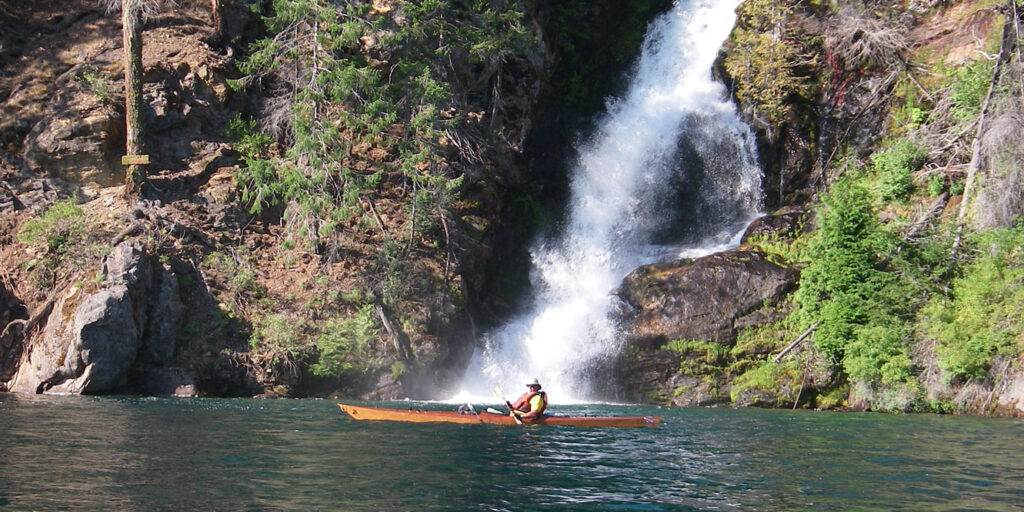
[[709, 298], [787, 221], [93, 338], [172, 381]]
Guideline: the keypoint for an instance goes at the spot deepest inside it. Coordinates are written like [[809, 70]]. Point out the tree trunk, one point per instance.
[[975, 163], [135, 174], [218, 23]]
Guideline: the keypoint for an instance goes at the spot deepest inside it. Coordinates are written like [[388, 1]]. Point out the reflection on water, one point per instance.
[[202, 454]]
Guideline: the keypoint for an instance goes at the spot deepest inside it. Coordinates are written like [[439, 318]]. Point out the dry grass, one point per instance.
[[859, 40], [144, 8]]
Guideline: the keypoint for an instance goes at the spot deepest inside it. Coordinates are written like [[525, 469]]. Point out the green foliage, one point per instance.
[[700, 358], [764, 58], [344, 343], [258, 179], [352, 100], [895, 166], [277, 333], [239, 279], [65, 232], [936, 184], [767, 380], [97, 84], [968, 88], [833, 398], [396, 273], [878, 353], [860, 308], [766, 338], [782, 249], [397, 370], [61, 226], [982, 318], [842, 262]]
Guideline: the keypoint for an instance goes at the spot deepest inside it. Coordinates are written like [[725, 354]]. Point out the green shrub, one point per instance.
[[859, 306], [936, 184], [879, 353], [769, 379], [700, 358], [64, 231], [968, 89], [982, 317], [239, 279], [895, 167], [277, 333], [344, 342], [842, 262], [97, 84], [62, 227], [334, 96]]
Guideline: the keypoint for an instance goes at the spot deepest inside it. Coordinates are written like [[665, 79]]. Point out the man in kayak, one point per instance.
[[530, 406]]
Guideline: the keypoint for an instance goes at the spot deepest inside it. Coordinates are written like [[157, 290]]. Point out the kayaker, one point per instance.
[[531, 404]]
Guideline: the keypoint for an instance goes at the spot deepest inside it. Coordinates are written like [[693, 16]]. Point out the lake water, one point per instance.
[[86, 453]]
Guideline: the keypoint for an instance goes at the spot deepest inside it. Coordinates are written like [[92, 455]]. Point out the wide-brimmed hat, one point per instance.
[[534, 383]]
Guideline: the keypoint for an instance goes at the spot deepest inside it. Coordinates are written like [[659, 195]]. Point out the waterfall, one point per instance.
[[670, 172]]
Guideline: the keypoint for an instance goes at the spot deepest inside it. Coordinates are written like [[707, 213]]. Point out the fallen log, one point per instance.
[[795, 343]]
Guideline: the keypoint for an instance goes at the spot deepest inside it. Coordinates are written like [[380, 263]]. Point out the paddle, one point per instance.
[[498, 392]]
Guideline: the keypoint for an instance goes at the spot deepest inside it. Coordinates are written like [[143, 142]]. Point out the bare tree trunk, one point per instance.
[[218, 23], [975, 163], [135, 174]]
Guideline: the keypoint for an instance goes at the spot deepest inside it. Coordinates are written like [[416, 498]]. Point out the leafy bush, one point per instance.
[[277, 333], [237, 279], [860, 308], [982, 317], [842, 262], [61, 227], [895, 166], [344, 342], [345, 120], [769, 380], [700, 357], [968, 89]]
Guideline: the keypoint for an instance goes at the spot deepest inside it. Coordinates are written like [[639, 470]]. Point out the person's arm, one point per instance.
[[521, 401]]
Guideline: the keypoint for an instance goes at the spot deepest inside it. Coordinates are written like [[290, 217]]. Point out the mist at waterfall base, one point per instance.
[[670, 172]]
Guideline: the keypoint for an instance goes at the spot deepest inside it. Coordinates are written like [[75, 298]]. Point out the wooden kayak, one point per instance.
[[421, 416]]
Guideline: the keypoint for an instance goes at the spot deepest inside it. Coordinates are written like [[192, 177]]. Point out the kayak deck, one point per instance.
[[420, 416]]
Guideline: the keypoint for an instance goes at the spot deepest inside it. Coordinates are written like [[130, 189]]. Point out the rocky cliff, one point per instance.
[[832, 90], [188, 289], [198, 288]]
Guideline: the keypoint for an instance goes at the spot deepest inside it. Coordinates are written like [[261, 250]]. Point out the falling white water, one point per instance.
[[673, 143]]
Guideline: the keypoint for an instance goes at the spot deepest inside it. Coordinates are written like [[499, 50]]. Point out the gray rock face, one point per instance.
[[710, 298], [79, 142], [92, 340]]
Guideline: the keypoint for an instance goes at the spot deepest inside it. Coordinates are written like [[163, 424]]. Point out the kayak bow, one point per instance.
[[420, 416]]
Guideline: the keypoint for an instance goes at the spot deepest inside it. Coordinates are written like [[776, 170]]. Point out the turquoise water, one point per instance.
[[84, 453]]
